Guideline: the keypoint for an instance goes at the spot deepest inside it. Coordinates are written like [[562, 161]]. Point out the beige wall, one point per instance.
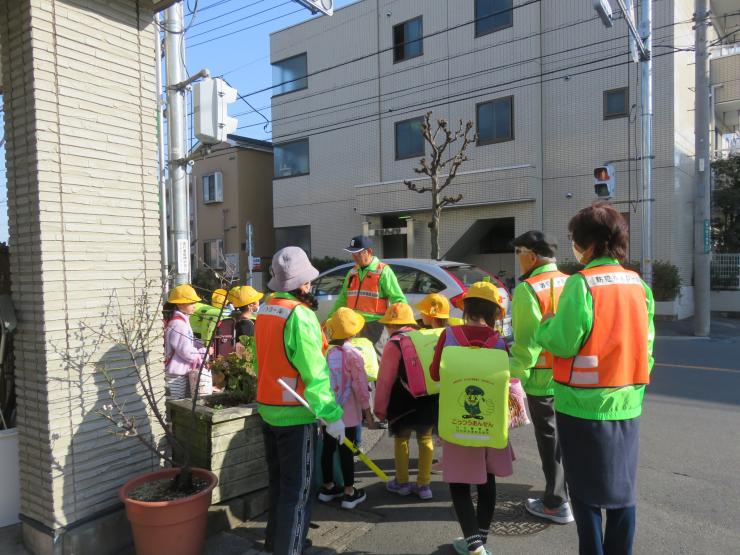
[[247, 184], [80, 124]]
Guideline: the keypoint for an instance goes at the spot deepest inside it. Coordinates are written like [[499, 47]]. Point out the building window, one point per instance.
[[213, 254], [290, 74], [493, 15], [295, 236], [213, 188], [616, 103], [407, 40], [291, 159], [409, 140], [495, 121]]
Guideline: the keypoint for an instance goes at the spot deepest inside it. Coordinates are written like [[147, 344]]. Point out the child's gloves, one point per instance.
[[336, 430]]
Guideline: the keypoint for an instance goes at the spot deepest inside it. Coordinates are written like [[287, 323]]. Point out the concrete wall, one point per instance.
[[80, 124], [556, 61]]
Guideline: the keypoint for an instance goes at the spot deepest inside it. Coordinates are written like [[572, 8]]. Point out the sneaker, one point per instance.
[[424, 492], [461, 548], [561, 515], [351, 501], [330, 494], [401, 489]]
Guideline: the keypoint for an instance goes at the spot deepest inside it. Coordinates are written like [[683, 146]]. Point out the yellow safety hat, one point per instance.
[[434, 305], [399, 314], [344, 323], [183, 294], [218, 297], [487, 291], [242, 296]]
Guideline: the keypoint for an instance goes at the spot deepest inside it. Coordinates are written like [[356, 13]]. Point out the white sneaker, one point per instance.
[[561, 515]]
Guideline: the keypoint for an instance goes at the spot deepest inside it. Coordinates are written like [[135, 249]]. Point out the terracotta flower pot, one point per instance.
[[169, 527]]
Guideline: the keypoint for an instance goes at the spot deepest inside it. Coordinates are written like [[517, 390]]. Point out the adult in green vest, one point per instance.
[[540, 286], [601, 336], [369, 288]]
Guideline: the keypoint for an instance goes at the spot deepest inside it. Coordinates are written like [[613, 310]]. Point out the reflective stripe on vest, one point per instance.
[[540, 284], [272, 361], [615, 353], [364, 294]]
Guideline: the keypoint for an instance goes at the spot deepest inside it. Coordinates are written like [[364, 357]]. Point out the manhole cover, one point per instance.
[[511, 518]]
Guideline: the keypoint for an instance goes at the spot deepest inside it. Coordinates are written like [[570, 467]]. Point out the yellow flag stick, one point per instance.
[[347, 443]]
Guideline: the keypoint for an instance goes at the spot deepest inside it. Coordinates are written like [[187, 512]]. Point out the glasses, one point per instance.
[[521, 250]]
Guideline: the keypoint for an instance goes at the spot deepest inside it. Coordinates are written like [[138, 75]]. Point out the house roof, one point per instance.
[[248, 142]]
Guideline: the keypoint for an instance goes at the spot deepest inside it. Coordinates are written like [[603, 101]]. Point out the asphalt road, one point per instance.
[[689, 476]]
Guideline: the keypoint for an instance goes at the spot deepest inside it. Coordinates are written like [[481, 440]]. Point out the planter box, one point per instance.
[[10, 492], [228, 442], [679, 308]]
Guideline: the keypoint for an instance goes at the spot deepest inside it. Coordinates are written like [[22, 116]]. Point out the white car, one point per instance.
[[417, 279]]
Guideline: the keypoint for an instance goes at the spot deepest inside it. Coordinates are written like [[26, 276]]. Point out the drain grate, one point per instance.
[[511, 518]]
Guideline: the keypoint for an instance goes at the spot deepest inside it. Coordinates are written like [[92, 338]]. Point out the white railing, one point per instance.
[[726, 271]]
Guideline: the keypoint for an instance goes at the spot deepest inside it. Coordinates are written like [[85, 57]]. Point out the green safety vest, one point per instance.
[[474, 397]]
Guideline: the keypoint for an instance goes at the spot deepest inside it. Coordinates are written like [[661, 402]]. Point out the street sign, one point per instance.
[[707, 237], [324, 6], [183, 256]]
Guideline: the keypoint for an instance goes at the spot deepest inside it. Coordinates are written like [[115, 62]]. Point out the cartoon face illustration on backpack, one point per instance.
[[472, 401]]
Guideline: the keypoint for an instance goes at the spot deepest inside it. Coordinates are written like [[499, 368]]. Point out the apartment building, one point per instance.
[[551, 91], [232, 188]]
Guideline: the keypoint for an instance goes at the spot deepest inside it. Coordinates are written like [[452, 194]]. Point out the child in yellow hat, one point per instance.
[[434, 310], [181, 352], [246, 302], [463, 466], [405, 413], [349, 384]]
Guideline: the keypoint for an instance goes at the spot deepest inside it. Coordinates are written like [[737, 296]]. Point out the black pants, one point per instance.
[[346, 458], [289, 454], [545, 432], [474, 520], [616, 539]]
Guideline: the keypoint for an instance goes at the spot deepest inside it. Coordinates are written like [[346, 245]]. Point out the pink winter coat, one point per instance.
[[181, 354]]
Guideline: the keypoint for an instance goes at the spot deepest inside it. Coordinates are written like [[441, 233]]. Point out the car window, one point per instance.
[[331, 283], [406, 278], [426, 284], [467, 274]]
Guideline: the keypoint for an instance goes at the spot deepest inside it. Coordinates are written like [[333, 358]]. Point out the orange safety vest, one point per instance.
[[364, 294], [272, 360], [540, 284], [615, 353]]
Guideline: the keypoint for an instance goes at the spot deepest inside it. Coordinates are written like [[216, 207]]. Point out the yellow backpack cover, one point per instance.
[[425, 342], [474, 397], [369, 355]]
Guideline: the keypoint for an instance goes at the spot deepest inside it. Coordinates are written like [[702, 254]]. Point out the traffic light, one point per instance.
[[604, 181], [211, 99], [324, 6]]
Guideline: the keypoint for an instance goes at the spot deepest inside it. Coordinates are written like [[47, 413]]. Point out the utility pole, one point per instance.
[[164, 229], [646, 100], [702, 205], [176, 139], [250, 255]]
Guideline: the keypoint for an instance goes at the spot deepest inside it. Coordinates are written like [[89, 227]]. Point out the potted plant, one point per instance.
[[167, 508], [225, 436]]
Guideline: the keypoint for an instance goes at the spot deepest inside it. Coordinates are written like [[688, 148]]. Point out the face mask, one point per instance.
[[578, 255]]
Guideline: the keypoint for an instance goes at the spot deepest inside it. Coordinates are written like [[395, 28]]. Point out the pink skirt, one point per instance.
[[470, 465]]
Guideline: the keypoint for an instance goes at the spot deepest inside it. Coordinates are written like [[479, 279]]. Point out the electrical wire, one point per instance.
[[247, 28], [251, 15], [227, 13]]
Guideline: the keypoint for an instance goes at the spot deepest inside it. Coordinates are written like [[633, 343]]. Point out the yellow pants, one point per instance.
[[426, 455]]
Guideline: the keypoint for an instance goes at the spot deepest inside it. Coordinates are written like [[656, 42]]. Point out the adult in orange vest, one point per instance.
[[539, 287], [601, 337], [289, 346], [369, 288]]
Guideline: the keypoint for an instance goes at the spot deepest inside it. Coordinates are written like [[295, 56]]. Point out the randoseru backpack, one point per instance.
[[339, 376]]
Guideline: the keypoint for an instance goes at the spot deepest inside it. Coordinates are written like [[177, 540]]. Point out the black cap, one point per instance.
[[538, 242], [359, 243]]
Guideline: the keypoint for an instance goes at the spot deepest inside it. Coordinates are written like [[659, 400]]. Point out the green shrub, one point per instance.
[[666, 281]]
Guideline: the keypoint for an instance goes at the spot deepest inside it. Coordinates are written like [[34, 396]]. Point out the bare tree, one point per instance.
[[441, 168]]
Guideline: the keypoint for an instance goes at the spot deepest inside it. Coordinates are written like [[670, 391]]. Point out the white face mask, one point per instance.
[[578, 255]]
